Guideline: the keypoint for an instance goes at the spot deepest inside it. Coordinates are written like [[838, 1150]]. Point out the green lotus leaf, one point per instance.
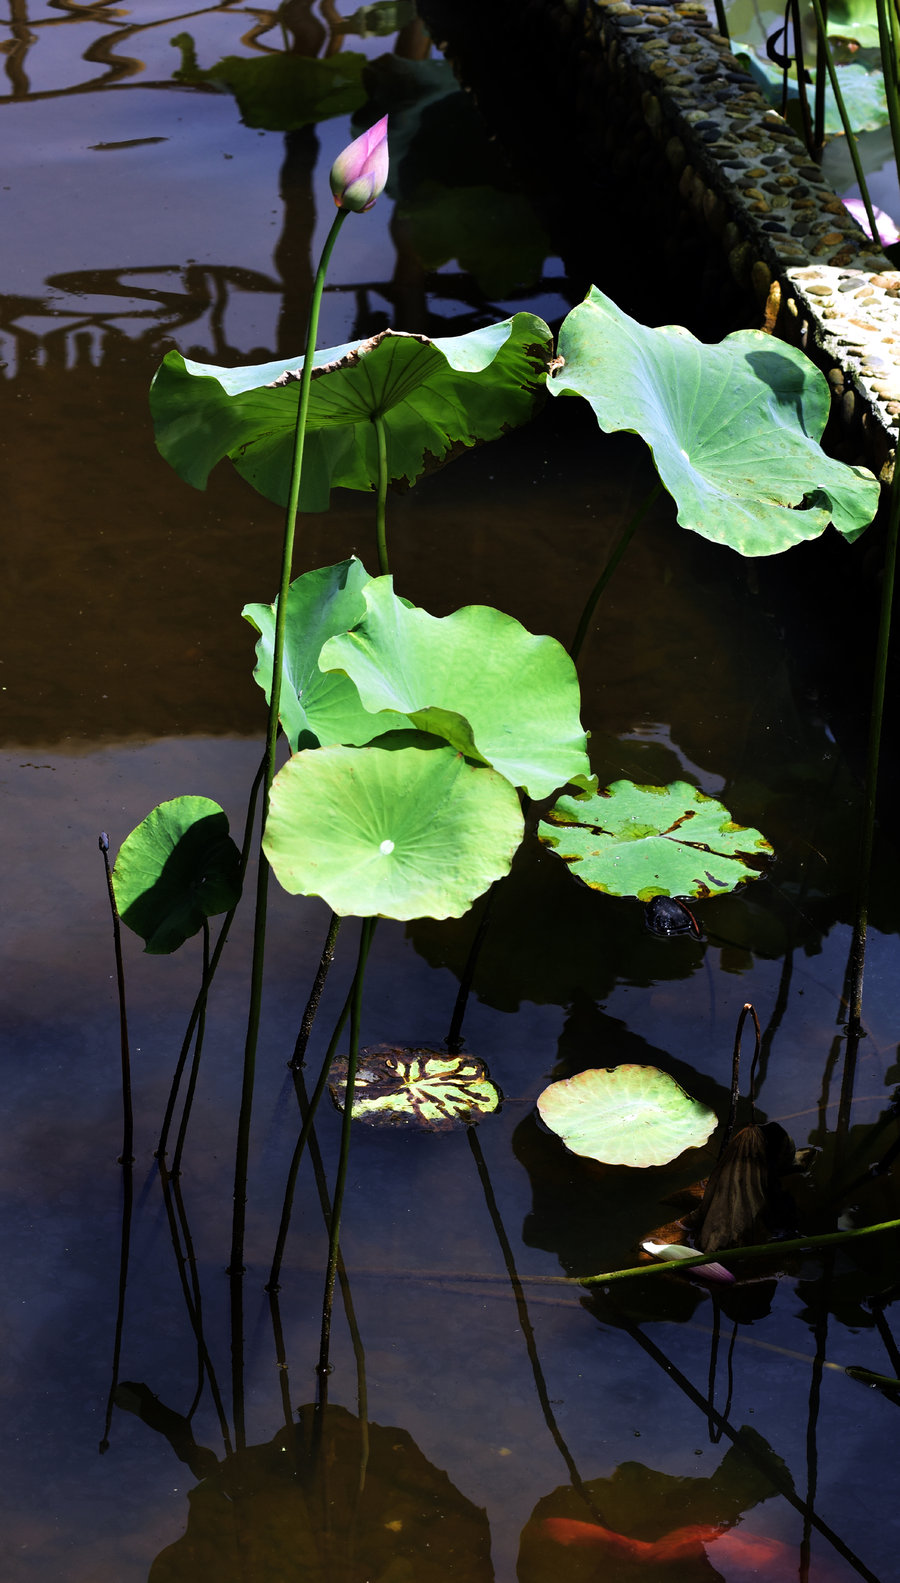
[[734, 428], [436, 397], [399, 1087], [281, 92], [625, 1115], [477, 677], [407, 830], [862, 92], [317, 708], [177, 868], [647, 841]]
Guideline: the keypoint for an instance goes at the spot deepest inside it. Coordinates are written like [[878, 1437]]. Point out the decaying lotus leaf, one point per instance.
[[400, 1087], [743, 1199]]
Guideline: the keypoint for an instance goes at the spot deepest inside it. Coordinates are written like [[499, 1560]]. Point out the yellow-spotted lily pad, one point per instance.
[[401, 1087]]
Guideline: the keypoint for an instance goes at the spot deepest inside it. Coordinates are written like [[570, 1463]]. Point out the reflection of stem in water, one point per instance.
[[305, 1130], [127, 1110], [774, 1471], [188, 1275], [200, 1003], [857, 959], [884, 1330], [812, 1421], [454, 1039], [526, 1327], [323, 1366], [759, 1066], [195, 1064], [127, 1157], [715, 1432], [362, 1394], [614, 559]]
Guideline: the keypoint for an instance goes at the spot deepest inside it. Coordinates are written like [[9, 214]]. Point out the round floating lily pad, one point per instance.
[[625, 1115], [409, 830], [178, 867], [400, 1087], [648, 841]]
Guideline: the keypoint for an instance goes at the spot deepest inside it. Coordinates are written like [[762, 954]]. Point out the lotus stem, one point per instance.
[[198, 1051], [216, 957], [322, 1369], [790, 1245], [262, 882], [614, 559], [845, 119], [887, 38], [381, 501], [305, 1130], [315, 994]]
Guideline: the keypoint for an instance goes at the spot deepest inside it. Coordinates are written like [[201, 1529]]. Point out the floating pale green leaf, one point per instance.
[[647, 841], [281, 92], [436, 397], [406, 831], [625, 1115], [476, 677], [318, 708], [734, 428], [399, 1087], [178, 867]]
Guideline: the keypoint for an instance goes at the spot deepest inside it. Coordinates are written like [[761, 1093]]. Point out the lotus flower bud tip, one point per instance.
[[359, 174]]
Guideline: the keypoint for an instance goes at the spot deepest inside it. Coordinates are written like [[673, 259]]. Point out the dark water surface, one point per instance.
[[138, 213]]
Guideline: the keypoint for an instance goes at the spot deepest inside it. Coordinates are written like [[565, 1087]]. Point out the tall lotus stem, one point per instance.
[[357, 177]]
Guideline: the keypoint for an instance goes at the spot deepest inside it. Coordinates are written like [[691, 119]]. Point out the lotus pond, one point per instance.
[[472, 1411]]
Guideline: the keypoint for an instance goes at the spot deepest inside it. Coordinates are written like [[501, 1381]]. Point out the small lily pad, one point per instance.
[[625, 1115], [648, 841], [401, 1087], [178, 867]]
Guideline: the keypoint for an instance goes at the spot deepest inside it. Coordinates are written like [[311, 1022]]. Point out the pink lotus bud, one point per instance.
[[359, 174]]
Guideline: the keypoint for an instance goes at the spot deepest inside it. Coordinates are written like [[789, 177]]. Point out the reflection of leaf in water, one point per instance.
[[269, 1513], [646, 1505]]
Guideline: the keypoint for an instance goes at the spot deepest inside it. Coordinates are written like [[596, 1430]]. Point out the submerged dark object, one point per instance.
[[744, 1201], [666, 916]]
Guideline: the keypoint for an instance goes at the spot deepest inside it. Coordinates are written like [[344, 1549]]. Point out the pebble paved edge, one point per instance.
[[746, 178]]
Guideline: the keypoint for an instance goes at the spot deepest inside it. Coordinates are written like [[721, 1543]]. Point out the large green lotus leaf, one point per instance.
[[734, 428], [409, 830], [177, 868], [647, 841], [477, 677], [400, 1087], [436, 397], [625, 1115], [318, 708], [279, 92]]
